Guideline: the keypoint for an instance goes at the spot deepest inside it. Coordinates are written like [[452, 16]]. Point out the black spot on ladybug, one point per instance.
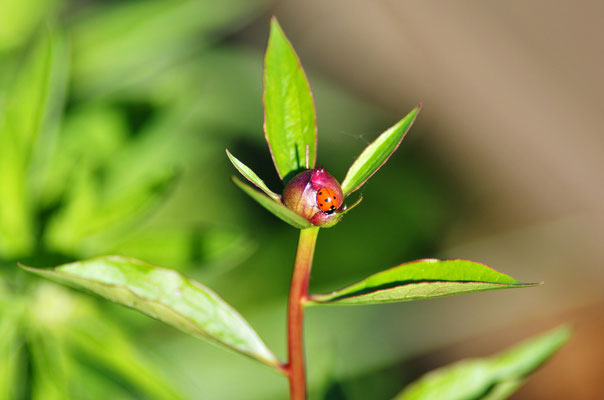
[[320, 193]]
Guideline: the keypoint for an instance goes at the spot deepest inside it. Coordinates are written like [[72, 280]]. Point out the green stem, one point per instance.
[[298, 294]]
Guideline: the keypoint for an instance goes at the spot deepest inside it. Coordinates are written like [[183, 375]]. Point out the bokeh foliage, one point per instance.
[[114, 117]]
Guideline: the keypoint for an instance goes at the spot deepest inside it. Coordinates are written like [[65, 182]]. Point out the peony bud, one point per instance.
[[315, 195]]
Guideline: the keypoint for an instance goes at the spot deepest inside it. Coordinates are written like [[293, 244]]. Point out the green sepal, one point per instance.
[[275, 207]]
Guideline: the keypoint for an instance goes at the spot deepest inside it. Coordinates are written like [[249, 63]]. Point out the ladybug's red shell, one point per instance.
[[327, 200]]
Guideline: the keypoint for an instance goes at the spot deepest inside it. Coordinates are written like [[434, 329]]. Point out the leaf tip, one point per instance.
[[22, 266], [275, 23], [229, 155], [275, 29], [27, 267]]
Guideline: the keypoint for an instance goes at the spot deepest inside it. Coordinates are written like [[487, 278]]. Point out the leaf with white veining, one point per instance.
[[166, 295]]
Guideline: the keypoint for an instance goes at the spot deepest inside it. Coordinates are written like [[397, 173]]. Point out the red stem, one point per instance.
[[298, 294]]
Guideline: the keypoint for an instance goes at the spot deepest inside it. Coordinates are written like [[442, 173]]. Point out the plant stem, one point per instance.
[[298, 293]]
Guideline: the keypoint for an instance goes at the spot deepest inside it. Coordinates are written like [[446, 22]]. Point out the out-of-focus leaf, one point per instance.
[[377, 153], [166, 295], [19, 18], [51, 365], [491, 378], [216, 250], [252, 177], [289, 111], [90, 385], [61, 321], [275, 207], [90, 136], [106, 345], [128, 42], [422, 279], [21, 121], [90, 219], [9, 353]]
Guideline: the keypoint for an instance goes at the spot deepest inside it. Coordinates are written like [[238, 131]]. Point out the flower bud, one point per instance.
[[315, 195]]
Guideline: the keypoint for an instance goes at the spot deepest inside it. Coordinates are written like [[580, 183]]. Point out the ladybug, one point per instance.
[[328, 200]]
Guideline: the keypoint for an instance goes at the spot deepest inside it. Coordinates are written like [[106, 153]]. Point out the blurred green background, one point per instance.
[[114, 117]]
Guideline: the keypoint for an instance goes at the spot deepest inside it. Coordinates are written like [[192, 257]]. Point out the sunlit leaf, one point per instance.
[[422, 279], [252, 177], [376, 154], [289, 111], [275, 207], [166, 295], [490, 378]]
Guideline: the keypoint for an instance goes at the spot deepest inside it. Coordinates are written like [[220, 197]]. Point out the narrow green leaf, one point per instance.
[[490, 378], [289, 111], [353, 205], [252, 177], [276, 207], [377, 153], [166, 295], [422, 279]]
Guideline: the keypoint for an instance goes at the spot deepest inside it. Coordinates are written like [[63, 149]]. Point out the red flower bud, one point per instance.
[[316, 196]]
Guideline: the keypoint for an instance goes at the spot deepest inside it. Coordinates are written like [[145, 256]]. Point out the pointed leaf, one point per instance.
[[422, 279], [377, 153], [289, 111], [276, 207], [491, 378], [166, 295], [353, 205], [252, 177]]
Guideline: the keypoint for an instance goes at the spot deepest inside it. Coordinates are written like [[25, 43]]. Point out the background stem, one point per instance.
[[295, 316]]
